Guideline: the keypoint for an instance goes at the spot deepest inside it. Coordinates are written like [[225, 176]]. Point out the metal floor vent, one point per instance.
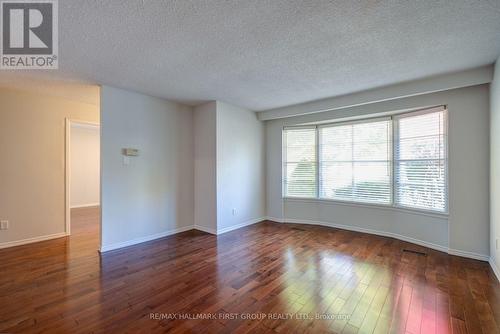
[[414, 252]]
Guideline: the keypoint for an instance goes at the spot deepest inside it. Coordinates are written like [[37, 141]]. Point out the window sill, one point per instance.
[[444, 215]]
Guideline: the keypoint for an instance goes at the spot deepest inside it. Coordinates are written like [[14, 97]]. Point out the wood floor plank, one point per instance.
[[299, 278]]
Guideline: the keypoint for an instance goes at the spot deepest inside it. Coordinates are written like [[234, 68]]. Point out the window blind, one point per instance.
[[420, 159], [300, 162], [355, 162]]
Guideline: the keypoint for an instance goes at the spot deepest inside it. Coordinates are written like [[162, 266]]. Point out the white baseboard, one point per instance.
[[118, 245], [114, 246], [470, 255], [229, 228], [85, 205], [275, 219], [32, 240], [235, 227], [494, 268], [437, 247], [136, 241], [371, 231], [205, 229]]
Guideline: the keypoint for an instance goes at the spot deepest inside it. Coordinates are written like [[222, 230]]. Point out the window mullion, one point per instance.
[[394, 158], [352, 162], [318, 163]]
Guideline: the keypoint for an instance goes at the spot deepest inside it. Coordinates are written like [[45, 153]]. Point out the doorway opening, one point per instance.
[[83, 167]]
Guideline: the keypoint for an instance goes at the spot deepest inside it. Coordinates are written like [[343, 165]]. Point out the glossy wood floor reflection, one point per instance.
[[271, 269]]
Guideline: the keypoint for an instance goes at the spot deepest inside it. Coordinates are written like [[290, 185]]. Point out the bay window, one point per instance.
[[394, 161]]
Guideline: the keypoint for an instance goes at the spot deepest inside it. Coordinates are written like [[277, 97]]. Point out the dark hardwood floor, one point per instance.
[[269, 277]]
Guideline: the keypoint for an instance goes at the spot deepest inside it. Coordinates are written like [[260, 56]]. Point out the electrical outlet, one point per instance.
[[4, 224], [234, 212]]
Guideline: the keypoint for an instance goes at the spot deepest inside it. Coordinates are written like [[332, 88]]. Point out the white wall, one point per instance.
[[495, 167], [468, 177], [153, 195], [85, 165], [240, 167], [32, 151], [229, 167], [205, 174]]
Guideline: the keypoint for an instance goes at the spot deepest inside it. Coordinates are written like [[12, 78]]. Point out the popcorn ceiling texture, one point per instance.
[[266, 54]]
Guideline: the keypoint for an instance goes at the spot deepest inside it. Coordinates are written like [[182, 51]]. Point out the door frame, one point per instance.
[[67, 167]]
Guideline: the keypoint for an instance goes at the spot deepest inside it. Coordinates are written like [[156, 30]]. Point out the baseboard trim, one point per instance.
[[136, 241], [205, 229], [235, 227], [371, 231], [229, 228], [118, 245], [85, 205], [437, 247], [494, 268], [31, 240], [470, 255], [275, 219]]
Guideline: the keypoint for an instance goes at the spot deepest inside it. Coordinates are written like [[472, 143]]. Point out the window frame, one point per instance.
[[284, 161], [395, 126], [393, 142], [390, 151]]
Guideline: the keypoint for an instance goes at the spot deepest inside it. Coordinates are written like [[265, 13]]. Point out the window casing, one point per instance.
[[398, 161]]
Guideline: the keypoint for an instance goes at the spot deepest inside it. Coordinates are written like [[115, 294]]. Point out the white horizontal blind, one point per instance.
[[420, 160], [355, 162], [299, 162]]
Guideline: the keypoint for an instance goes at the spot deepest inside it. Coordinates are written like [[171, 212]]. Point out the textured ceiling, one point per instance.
[[266, 54]]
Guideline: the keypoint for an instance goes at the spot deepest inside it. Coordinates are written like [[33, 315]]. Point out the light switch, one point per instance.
[[130, 152], [126, 160]]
